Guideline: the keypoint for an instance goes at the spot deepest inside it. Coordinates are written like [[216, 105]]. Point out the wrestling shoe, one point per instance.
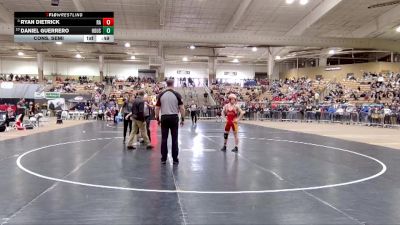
[[235, 149]]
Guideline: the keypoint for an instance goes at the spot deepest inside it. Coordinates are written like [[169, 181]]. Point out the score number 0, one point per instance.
[[108, 22]]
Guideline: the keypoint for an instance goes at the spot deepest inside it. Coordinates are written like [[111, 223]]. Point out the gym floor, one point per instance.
[[85, 175]]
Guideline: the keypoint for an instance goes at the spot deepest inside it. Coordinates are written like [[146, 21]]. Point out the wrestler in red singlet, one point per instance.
[[233, 114]]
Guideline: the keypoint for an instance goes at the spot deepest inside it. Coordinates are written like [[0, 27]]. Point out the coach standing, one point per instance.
[[169, 104], [139, 123]]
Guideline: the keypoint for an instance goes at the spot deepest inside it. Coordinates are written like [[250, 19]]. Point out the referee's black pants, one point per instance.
[[169, 122]]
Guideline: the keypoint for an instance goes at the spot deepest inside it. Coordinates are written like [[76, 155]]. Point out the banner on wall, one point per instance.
[[52, 95], [78, 98], [333, 68], [183, 72], [75, 97], [230, 73], [39, 95], [7, 85]]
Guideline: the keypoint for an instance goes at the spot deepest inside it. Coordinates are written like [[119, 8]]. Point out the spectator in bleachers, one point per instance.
[[205, 96], [101, 112], [87, 112], [31, 110], [10, 117]]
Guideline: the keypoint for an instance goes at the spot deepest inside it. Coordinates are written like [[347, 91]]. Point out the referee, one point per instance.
[[169, 105]]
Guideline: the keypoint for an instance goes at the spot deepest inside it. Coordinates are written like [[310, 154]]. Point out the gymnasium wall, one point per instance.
[[356, 69], [69, 68], [19, 67], [124, 70]]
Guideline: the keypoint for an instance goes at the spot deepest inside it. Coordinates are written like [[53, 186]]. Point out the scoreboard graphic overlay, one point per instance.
[[95, 27]]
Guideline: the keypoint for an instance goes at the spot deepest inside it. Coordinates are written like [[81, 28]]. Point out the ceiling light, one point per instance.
[[127, 45], [235, 60], [277, 57], [58, 43], [303, 2], [331, 52], [21, 54], [185, 59], [192, 47], [78, 56], [254, 49], [398, 29], [289, 2], [133, 57]]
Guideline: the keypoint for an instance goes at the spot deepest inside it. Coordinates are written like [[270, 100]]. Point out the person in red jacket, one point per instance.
[[233, 113]]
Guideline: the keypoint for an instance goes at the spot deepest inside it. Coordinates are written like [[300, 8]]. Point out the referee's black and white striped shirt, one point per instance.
[[169, 102]]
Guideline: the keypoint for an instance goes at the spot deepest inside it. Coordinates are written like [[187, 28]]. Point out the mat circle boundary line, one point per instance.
[[382, 171]]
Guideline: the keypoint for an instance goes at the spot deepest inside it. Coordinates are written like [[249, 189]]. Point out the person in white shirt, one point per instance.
[[204, 111], [193, 113], [316, 97], [339, 114], [387, 112]]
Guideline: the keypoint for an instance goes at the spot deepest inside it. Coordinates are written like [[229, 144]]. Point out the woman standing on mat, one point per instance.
[[125, 110], [233, 113]]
